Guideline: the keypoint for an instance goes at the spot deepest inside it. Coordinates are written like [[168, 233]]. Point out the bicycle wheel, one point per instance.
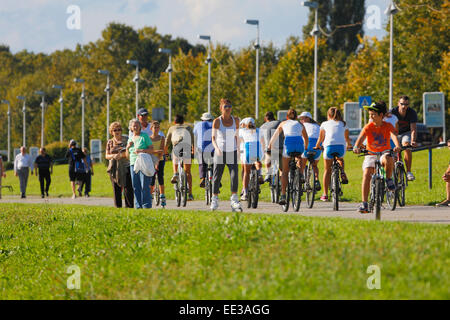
[[391, 196], [378, 195], [277, 184], [335, 189], [178, 195], [208, 188], [297, 191], [250, 191], [184, 189], [288, 193], [401, 182], [310, 182], [255, 196], [156, 192]]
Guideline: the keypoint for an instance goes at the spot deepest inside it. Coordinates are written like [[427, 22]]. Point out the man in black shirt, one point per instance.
[[44, 163], [407, 130], [75, 156]]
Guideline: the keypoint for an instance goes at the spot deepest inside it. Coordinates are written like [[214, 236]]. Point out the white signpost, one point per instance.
[[96, 150], [434, 110], [352, 115], [34, 152], [282, 114], [158, 114]]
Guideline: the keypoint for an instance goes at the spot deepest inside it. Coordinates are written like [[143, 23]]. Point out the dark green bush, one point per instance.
[[57, 150]]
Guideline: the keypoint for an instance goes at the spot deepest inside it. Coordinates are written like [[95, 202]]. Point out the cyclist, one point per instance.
[[225, 135], [378, 132], [267, 130], [333, 134], [158, 149], [293, 142], [205, 149], [407, 130], [251, 140], [313, 131], [181, 137]]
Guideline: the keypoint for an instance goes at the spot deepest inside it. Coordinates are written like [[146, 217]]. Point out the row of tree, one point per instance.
[[349, 66]]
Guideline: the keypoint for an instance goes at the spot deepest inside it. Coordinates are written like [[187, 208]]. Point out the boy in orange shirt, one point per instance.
[[378, 134]]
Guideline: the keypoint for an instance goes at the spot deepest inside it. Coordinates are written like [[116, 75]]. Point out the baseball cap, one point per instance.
[[305, 114], [72, 143], [142, 112], [244, 121], [379, 107], [206, 116]]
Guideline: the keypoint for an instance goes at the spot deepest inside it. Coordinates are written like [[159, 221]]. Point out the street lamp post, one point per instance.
[[136, 79], [169, 71], [79, 80], [315, 32], [107, 90], [257, 47], [391, 10], [24, 125], [42, 94], [208, 62], [9, 128], [61, 100]]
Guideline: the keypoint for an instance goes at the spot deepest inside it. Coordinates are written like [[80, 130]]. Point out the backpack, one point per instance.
[[79, 165]]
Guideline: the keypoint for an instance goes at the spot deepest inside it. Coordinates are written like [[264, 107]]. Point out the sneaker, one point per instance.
[[282, 200], [163, 200], [190, 197], [22, 196], [444, 203], [46, 193], [42, 196], [234, 201], [202, 182], [390, 184], [244, 197], [344, 178], [79, 193], [214, 203], [74, 196], [87, 195], [410, 176], [174, 178], [324, 198], [364, 207], [317, 185]]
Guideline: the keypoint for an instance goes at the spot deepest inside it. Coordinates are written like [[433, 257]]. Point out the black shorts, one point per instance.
[[72, 175]]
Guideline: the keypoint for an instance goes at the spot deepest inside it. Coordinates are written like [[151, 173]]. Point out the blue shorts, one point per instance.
[[293, 144], [337, 148], [252, 152], [311, 145]]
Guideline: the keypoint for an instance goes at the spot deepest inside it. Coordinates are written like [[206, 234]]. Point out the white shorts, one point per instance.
[[369, 161]]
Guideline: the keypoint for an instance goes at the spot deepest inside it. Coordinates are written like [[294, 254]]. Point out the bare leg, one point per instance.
[[367, 175], [326, 175], [284, 176]]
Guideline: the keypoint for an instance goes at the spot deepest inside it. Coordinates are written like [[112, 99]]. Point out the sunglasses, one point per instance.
[[228, 106], [117, 130], [404, 104]]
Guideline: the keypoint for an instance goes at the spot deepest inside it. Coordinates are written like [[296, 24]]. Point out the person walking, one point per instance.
[[139, 142], [44, 163], [77, 164], [23, 163], [86, 178], [158, 143], [119, 167], [225, 133], [205, 149], [2, 174], [181, 137]]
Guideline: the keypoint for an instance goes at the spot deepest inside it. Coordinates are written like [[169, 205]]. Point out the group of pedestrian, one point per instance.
[[81, 169]]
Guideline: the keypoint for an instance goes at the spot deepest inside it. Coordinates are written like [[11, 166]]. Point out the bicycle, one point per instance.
[[275, 181], [181, 188], [295, 184], [336, 184], [377, 183], [310, 179], [400, 180], [208, 183], [254, 188]]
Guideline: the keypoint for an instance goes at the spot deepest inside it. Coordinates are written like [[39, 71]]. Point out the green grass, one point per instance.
[[417, 192], [129, 254]]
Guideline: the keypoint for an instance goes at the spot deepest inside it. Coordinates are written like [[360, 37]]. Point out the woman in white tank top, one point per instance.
[[293, 131]]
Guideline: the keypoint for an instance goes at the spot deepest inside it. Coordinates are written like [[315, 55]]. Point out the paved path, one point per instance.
[[426, 214]]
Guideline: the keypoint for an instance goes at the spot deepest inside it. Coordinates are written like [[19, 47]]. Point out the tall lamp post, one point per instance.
[[61, 101], [169, 71], [208, 62], [257, 47], [79, 80], [136, 79], [107, 90], [24, 124], [391, 10], [42, 94], [9, 128], [315, 32]]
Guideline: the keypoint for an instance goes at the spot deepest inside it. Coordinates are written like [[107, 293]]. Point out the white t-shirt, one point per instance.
[[392, 120], [334, 133], [312, 130], [292, 128]]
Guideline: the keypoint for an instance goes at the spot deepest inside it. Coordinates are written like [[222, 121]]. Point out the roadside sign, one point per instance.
[[365, 101], [158, 114], [434, 110], [352, 115], [96, 150], [34, 152], [282, 114]]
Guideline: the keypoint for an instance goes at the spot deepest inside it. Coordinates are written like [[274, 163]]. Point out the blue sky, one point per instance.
[[41, 25]]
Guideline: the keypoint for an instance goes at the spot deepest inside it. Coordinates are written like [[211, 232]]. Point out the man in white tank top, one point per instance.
[[225, 133]]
